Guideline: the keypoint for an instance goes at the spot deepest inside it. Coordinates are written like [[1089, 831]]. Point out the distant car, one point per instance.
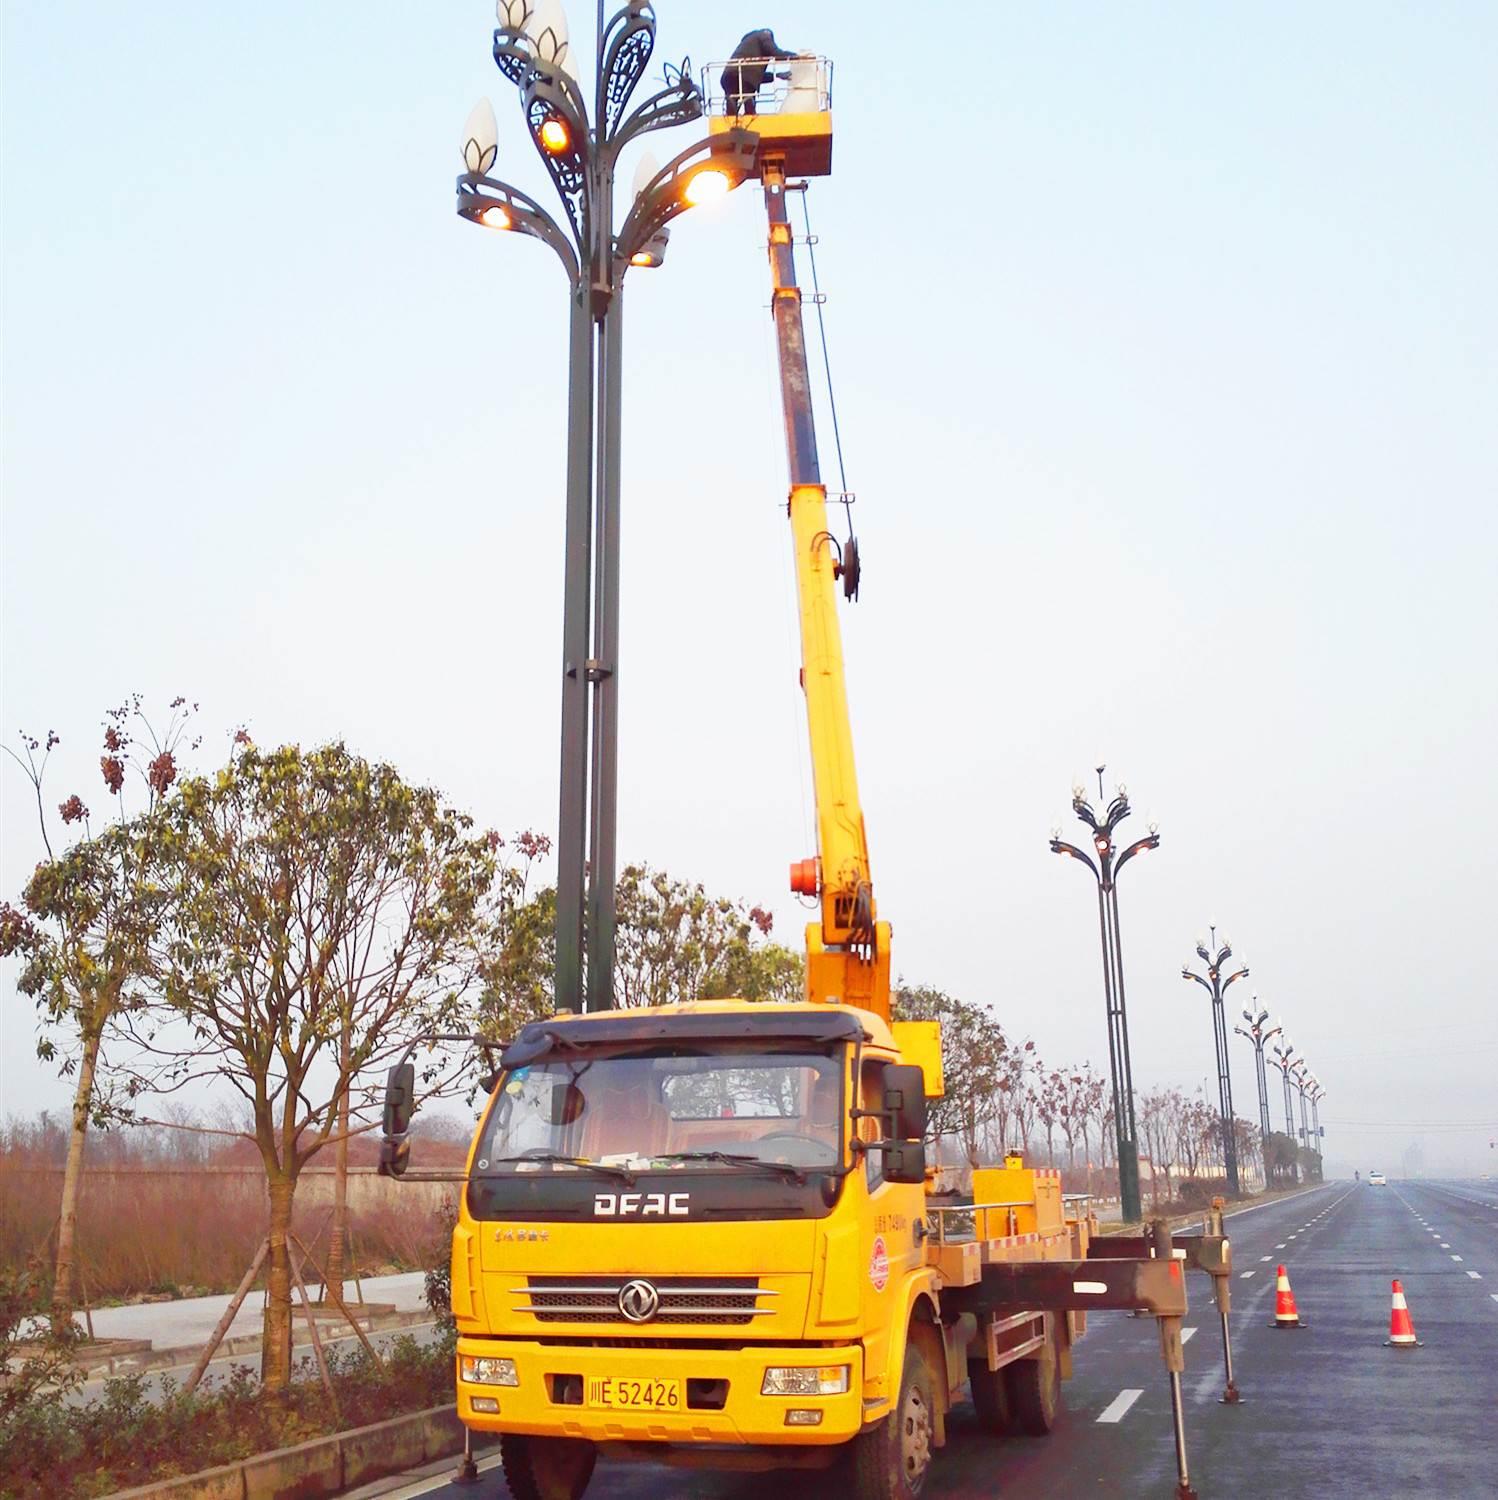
[[1376, 1179]]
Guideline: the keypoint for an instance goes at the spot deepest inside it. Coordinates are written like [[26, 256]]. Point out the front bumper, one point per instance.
[[547, 1371]]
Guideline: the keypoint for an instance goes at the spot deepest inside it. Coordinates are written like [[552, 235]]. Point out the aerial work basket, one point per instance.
[[787, 103]]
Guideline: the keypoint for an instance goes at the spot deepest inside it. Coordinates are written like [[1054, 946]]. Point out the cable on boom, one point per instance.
[[847, 566]]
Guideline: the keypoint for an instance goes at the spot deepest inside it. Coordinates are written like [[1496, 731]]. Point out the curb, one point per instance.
[[324, 1466], [1177, 1221], [249, 1343]]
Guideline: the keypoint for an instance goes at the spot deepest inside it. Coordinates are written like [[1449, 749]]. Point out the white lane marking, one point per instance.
[[1444, 1245], [1294, 1236], [1456, 1257], [1245, 1275], [1263, 1258], [1118, 1407], [1494, 1296], [1475, 1275], [1280, 1246], [1187, 1332]]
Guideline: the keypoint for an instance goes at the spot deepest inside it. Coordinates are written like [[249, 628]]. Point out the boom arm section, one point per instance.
[[847, 951]]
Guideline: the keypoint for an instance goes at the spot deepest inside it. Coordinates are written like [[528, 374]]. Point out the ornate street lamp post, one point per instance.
[[1105, 870], [1284, 1060], [1216, 985], [1259, 1038], [1304, 1079], [1317, 1095], [580, 151]]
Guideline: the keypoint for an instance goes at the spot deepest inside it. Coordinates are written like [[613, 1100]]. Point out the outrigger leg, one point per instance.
[[1221, 1273], [1174, 1353]]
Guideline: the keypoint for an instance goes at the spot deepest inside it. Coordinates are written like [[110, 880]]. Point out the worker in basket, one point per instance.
[[746, 71]]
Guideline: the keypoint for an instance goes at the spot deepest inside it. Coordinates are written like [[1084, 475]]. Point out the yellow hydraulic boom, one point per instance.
[[847, 951]]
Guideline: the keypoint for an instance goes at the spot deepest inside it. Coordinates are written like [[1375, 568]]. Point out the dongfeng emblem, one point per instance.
[[638, 1301]]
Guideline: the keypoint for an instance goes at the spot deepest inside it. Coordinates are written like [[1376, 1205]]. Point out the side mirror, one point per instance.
[[905, 1100], [400, 1098], [905, 1161], [395, 1157]]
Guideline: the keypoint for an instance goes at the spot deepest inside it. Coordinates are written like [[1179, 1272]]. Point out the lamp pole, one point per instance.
[[1258, 1037], [1105, 869], [1216, 985], [1302, 1086], [1283, 1059], [580, 151]]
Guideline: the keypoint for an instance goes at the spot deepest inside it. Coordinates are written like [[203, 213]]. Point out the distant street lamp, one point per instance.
[[1284, 1060], [1259, 1038], [1105, 871], [581, 154], [1317, 1095], [1216, 985], [1304, 1079]]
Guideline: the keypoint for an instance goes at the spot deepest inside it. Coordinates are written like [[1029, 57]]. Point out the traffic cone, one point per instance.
[[1285, 1314], [1401, 1328]]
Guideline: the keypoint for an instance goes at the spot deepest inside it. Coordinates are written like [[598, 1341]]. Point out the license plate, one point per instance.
[[635, 1395]]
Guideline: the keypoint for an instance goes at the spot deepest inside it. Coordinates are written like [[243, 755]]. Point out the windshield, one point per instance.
[[664, 1113]]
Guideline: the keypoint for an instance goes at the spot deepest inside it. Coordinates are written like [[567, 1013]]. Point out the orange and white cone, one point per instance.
[[1285, 1313], [1401, 1326]]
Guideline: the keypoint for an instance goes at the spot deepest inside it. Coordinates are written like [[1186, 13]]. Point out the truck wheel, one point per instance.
[[990, 1397], [540, 1468], [1034, 1389], [891, 1461]]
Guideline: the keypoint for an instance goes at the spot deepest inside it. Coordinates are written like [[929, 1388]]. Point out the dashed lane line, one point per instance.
[[1456, 1257], [1118, 1407], [1187, 1332], [1475, 1275], [1244, 1275], [1280, 1246], [1263, 1258]]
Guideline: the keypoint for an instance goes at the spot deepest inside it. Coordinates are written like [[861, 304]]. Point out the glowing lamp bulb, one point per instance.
[[495, 218], [706, 186], [555, 135], [642, 258]]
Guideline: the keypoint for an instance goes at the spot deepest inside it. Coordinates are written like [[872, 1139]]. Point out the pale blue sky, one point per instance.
[[1165, 347]]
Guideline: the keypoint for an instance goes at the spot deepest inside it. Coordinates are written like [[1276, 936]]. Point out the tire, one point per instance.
[[990, 1398], [1034, 1388], [541, 1468], [893, 1460]]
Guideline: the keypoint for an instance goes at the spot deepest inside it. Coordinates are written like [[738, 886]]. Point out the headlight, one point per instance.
[[805, 1380], [487, 1370]]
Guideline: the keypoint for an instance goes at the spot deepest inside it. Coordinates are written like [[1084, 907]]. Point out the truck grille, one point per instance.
[[683, 1299]]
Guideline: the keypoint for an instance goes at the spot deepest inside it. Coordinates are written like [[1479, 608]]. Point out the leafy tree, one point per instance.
[[322, 916], [974, 1062], [516, 940], [84, 931], [674, 942]]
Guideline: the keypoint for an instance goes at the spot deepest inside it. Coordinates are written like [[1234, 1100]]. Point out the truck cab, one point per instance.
[[684, 1226]]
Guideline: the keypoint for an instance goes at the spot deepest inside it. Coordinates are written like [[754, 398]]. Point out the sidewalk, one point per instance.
[[182, 1327]]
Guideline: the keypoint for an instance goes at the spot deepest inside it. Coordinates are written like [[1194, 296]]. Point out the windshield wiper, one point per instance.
[[736, 1159], [568, 1161]]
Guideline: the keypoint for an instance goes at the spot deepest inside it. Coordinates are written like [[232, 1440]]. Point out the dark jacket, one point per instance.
[[742, 81]]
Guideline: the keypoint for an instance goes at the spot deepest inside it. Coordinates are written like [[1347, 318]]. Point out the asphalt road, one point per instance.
[[1328, 1410]]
